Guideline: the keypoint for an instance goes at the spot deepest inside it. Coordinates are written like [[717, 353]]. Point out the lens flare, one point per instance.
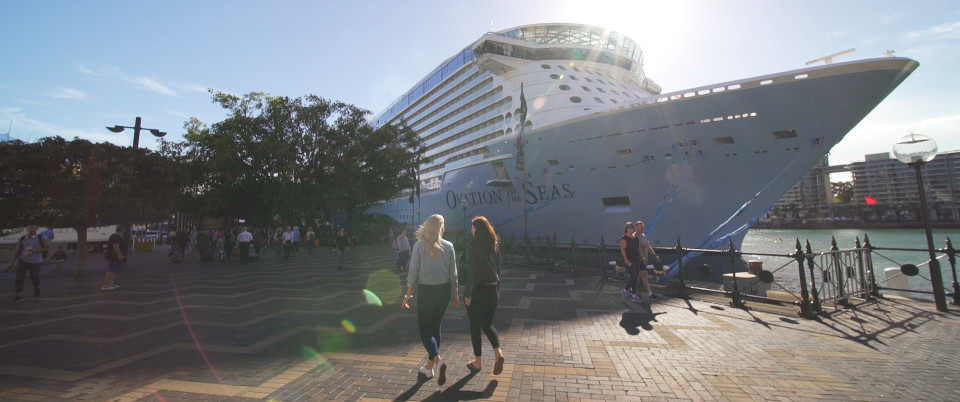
[[311, 353], [348, 326], [372, 298], [385, 285]]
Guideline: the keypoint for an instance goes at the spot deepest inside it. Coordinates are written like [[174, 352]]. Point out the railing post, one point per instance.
[[576, 253], [817, 308], [735, 299], [603, 260], [952, 257], [527, 247], [806, 310], [874, 289], [865, 290], [682, 285]]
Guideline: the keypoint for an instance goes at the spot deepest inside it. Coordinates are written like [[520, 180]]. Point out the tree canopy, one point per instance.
[[282, 160]]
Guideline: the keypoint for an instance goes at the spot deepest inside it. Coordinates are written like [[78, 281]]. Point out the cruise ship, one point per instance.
[[554, 130]]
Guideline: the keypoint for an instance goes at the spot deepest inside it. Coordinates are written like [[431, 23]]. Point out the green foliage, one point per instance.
[[286, 159], [843, 191]]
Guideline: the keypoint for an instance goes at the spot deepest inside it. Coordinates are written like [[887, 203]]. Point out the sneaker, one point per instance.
[[442, 377], [426, 373], [18, 299], [651, 296], [638, 299], [108, 287], [36, 292], [625, 294]]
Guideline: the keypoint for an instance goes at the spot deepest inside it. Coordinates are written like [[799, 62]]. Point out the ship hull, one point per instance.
[[698, 166]]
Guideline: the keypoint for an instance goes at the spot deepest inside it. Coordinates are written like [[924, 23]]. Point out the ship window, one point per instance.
[[686, 154], [624, 152], [765, 82], [564, 87], [681, 143], [576, 69], [784, 134], [508, 116], [614, 101], [575, 99], [816, 142], [562, 68], [601, 90], [572, 77], [723, 141], [545, 66], [598, 100], [553, 162], [555, 76], [585, 88], [614, 92], [588, 79], [699, 153], [616, 201]]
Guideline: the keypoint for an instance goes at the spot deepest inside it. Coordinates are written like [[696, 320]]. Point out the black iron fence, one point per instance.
[[814, 282]]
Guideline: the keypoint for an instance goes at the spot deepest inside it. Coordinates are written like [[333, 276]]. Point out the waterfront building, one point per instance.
[[893, 184], [812, 194]]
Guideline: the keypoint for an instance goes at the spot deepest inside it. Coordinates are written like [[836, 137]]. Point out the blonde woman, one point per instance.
[[433, 272]]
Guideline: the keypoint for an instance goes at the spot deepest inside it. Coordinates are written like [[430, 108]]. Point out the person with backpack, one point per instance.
[[27, 256]]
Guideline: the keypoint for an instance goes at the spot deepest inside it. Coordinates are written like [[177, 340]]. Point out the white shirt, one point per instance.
[[244, 237]]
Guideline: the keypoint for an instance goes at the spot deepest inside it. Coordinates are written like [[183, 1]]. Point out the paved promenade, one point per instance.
[[304, 330]]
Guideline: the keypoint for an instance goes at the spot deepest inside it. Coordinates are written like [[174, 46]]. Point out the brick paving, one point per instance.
[[304, 330]]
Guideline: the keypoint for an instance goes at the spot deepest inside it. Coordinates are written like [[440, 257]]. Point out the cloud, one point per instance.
[[949, 30], [67, 93], [142, 82], [835, 34], [41, 129]]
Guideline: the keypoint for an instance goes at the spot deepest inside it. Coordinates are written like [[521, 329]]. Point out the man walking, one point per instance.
[[27, 256], [243, 242], [116, 255], [296, 240]]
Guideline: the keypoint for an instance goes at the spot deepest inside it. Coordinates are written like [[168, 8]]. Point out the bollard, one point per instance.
[[896, 280]]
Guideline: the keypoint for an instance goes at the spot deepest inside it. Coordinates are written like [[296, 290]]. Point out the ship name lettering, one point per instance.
[[546, 193]]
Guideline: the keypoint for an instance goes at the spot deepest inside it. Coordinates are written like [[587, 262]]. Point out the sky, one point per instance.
[[72, 68]]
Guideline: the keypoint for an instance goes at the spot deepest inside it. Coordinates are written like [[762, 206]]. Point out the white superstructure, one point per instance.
[[603, 146]]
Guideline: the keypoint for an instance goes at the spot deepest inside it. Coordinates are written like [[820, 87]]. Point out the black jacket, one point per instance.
[[482, 267]]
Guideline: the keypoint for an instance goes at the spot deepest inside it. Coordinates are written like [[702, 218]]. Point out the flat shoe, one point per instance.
[[472, 367], [498, 366], [425, 372], [442, 377]]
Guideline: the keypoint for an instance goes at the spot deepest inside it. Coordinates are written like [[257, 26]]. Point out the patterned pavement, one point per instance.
[[304, 330]]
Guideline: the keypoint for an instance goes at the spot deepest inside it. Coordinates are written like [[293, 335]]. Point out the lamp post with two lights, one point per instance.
[[136, 144]]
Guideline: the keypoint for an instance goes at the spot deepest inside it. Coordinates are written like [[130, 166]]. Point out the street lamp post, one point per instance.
[[136, 144], [916, 150]]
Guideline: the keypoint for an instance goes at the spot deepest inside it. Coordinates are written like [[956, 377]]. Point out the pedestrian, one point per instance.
[[340, 246], [243, 243], [645, 250], [311, 237], [59, 257], [287, 243], [229, 242], [27, 257], [402, 245], [433, 272], [116, 256], [630, 251], [481, 290], [278, 240], [296, 240]]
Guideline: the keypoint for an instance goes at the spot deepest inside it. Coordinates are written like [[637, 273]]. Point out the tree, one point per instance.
[[842, 192], [79, 184], [294, 158]]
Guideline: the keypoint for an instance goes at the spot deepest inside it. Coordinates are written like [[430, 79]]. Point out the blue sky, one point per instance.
[[71, 68]]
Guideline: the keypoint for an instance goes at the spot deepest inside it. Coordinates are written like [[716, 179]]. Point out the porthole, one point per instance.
[[564, 87], [508, 116], [575, 99], [545, 66], [555, 76]]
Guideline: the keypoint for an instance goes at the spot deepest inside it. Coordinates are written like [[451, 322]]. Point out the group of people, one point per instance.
[[634, 248], [433, 277]]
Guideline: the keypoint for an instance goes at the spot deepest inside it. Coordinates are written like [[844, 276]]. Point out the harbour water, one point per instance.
[[783, 241]]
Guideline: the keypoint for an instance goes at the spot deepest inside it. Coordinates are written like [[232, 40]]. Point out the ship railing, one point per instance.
[[818, 283]]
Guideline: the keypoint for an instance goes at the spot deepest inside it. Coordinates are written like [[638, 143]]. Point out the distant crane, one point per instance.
[[829, 59], [7, 137]]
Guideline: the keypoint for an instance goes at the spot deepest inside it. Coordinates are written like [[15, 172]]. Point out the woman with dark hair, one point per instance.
[[630, 251], [481, 293], [433, 272]]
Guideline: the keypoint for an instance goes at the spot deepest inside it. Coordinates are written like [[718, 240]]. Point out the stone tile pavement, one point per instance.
[[304, 330]]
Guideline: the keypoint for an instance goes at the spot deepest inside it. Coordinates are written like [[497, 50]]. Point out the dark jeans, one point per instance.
[[482, 307], [633, 273], [286, 251], [244, 251], [296, 246], [430, 310], [22, 268]]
